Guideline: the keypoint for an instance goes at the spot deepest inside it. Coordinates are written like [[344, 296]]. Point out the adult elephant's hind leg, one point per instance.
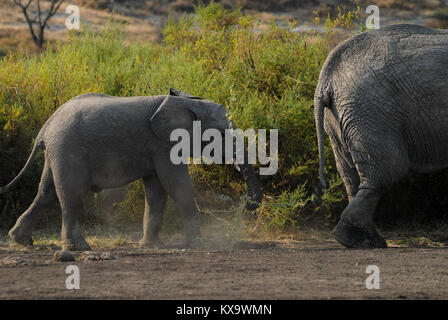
[[46, 196], [378, 169], [356, 228], [155, 199]]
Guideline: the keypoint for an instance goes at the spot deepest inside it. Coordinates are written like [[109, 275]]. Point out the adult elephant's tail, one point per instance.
[[319, 106], [38, 144]]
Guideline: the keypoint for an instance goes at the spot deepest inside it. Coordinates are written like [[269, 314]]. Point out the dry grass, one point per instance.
[[99, 238], [222, 234], [418, 236], [415, 242], [14, 33], [145, 18]]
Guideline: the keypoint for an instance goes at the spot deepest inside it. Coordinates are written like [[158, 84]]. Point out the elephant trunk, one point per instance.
[[253, 186], [247, 171]]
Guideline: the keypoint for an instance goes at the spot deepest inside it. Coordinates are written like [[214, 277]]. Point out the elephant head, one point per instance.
[[180, 109]]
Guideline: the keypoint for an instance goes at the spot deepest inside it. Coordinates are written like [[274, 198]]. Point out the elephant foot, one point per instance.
[[75, 244], [195, 243], [352, 236], [20, 237], [150, 243]]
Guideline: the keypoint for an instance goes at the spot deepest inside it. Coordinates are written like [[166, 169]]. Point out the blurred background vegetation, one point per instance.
[[263, 70]]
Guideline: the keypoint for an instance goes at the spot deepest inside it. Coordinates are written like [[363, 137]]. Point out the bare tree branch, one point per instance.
[[19, 3], [53, 9], [39, 14], [41, 19], [28, 20]]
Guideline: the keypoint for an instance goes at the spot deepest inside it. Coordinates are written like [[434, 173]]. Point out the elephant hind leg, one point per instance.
[[46, 196], [72, 181], [355, 228], [377, 171]]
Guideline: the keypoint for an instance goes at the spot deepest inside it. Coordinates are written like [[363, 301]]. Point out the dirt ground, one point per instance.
[[251, 270]]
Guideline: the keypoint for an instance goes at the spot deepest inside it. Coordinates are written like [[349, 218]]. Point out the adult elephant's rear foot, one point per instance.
[[19, 236], [352, 236], [356, 228], [75, 244]]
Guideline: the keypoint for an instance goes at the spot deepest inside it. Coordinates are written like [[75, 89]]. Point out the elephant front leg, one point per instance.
[[155, 199], [184, 199], [190, 219], [177, 182]]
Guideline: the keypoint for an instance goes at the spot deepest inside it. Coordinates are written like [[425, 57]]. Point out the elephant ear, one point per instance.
[[177, 93], [172, 114]]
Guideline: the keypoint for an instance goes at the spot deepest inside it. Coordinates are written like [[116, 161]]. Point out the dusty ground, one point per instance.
[[251, 270]]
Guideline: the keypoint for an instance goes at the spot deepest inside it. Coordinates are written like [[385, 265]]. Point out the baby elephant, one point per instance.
[[95, 141]]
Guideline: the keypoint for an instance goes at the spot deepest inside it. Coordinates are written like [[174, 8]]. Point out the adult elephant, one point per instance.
[[382, 97], [95, 141]]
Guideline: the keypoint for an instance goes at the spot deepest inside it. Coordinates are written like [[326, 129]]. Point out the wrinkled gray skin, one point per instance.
[[95, 142], [382, 98]]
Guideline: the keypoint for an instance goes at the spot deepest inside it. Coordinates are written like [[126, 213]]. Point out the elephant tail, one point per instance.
[[38, 144], [319, 106]]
